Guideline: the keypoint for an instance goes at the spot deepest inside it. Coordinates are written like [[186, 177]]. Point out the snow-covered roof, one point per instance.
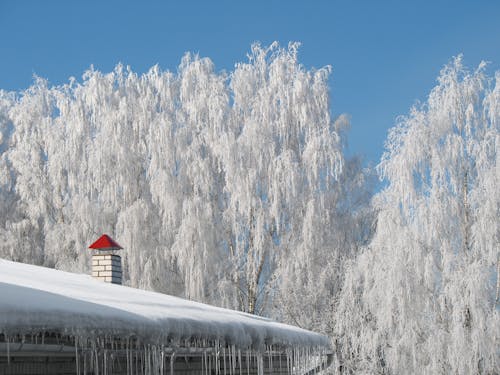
[[42, 299]]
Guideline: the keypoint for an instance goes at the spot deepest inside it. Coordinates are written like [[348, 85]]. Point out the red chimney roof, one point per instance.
[[105, 242]]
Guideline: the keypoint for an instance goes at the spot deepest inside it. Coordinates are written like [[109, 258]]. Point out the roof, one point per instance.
[[105, 242], [38, 298]]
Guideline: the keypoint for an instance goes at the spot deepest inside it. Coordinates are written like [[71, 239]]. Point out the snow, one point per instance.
[[36, 298]]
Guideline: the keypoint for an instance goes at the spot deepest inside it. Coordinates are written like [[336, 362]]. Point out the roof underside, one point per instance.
[[37, 298]]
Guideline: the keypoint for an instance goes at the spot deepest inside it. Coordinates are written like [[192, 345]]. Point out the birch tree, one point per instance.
[[335, 226], [421, 297], [281, 151]]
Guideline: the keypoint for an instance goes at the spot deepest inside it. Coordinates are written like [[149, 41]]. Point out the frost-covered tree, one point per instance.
[[281, 151], [333, 230], [9, 231], [210, 180], [421, 297]]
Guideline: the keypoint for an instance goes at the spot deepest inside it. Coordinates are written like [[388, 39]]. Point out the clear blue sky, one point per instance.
[[384, 54]]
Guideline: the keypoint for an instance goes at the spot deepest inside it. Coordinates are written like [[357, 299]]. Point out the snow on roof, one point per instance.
[[37, 298]]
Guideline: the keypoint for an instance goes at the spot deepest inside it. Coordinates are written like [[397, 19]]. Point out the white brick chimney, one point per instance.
[[107, 267], [106, 264]]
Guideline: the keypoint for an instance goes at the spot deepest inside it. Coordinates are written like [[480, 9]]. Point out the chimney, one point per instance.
[[106, 264]]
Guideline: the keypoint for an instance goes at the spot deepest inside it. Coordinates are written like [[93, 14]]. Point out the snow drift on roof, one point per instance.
[[37, 298]]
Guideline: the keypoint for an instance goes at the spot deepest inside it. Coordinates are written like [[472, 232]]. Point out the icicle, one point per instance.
[[280, 355], [248, 362], [289, 359], [172, 357], [162, 363], [233, 359], [203, 365], [143, 359], [260, 363], [217, 359], [239, 361], [127, 355], [77, 358], [269, 358], [7, 340], [112, 367], [105, 362], [85, 363], [224, 359]]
